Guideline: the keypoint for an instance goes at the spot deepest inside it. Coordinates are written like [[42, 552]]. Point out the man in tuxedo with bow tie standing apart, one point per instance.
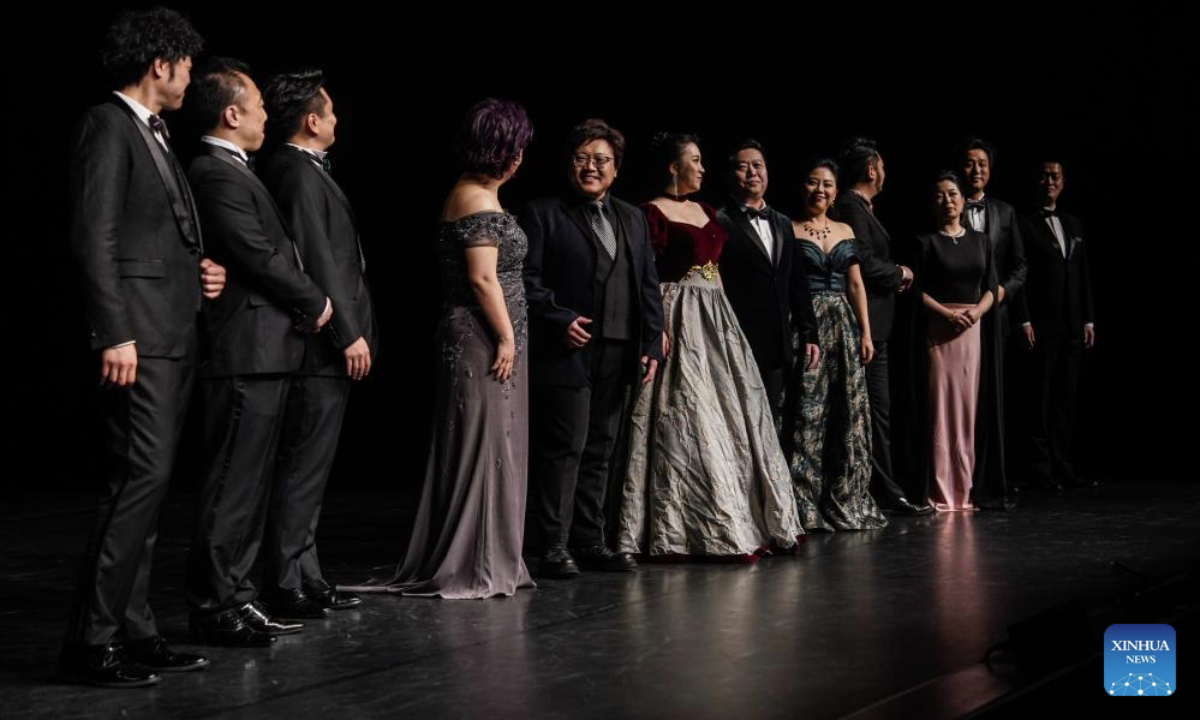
[[255, 341], [1056, 318], [320, 221], [756, 273], [998, 221], [137, 239]]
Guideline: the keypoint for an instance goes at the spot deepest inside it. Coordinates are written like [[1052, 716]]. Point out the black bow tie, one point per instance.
[[976, 205], [1047, 212], [159, 126], [752, 214]]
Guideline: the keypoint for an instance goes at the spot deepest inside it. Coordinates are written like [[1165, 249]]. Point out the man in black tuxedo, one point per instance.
[[1056, 318], [996, 219], [862, 175], [320, 221], [595, 319], [136, 236], [254, 344], [756, 273]]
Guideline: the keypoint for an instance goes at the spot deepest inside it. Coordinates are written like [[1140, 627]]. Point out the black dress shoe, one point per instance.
[[227, 628], [557, 564], [153, 653], [104, 666], [1001, 505], [904, 507], [1078, 482], [324, 595], [600, 558], [294, 605], [256, 618]]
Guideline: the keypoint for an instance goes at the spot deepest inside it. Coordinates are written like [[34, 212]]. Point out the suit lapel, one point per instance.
[[574, 210], [180, 199], [225, 156], [993, 223], [337, 193]]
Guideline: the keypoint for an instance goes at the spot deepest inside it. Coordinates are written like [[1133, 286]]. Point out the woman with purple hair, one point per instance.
[[470, 523]]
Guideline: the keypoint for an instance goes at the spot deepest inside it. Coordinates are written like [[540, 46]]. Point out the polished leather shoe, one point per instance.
[[227, 628], [600, 558], [153, 653], [557, 564], [293, 605], [256, 618], [323, 594], [1077, 482], [904, 507], [104, 666]]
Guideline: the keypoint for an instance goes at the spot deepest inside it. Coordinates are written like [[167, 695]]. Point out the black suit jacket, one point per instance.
[[1004, 231], [320, 221], [766, 294], [873, 245], [1057, 298], [251, 326], [134, 234], [560, 278]]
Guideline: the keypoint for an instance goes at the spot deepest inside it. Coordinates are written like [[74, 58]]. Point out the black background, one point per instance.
[[1105, 93]]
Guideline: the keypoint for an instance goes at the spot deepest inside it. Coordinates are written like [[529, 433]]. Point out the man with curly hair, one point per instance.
[[136, 236]]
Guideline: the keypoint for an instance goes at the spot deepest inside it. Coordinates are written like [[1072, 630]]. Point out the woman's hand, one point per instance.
[[506, 353]]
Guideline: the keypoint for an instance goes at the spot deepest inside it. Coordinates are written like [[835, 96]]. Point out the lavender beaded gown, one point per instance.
[[469, 528]]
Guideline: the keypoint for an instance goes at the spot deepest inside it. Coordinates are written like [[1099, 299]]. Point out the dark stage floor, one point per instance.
[[892, 623]]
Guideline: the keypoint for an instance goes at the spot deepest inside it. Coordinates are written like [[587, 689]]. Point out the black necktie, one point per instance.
[[159, 126]]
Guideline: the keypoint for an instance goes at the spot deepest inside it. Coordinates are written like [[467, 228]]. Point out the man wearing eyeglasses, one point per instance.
[[595, 327]]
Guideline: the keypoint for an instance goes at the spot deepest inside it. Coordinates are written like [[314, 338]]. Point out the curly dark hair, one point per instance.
[[492, 134], [289, 98], [137, 37], [596, 129], [215, 87]]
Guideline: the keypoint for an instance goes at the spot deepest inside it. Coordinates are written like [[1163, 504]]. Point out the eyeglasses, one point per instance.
[[582, 160]]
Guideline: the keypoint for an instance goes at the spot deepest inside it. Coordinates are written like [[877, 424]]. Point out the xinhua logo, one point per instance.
[[1139, 660]]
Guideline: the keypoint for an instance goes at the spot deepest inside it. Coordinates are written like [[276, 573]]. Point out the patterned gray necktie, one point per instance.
[[603, 228]]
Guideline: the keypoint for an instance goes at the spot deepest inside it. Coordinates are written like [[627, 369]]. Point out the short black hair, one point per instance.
[[214, 88], [857, 156], [290, 97], [975, 143], [745, 144]]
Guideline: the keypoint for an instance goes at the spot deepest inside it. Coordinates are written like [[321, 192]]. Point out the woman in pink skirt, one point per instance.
[[958, 285]]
